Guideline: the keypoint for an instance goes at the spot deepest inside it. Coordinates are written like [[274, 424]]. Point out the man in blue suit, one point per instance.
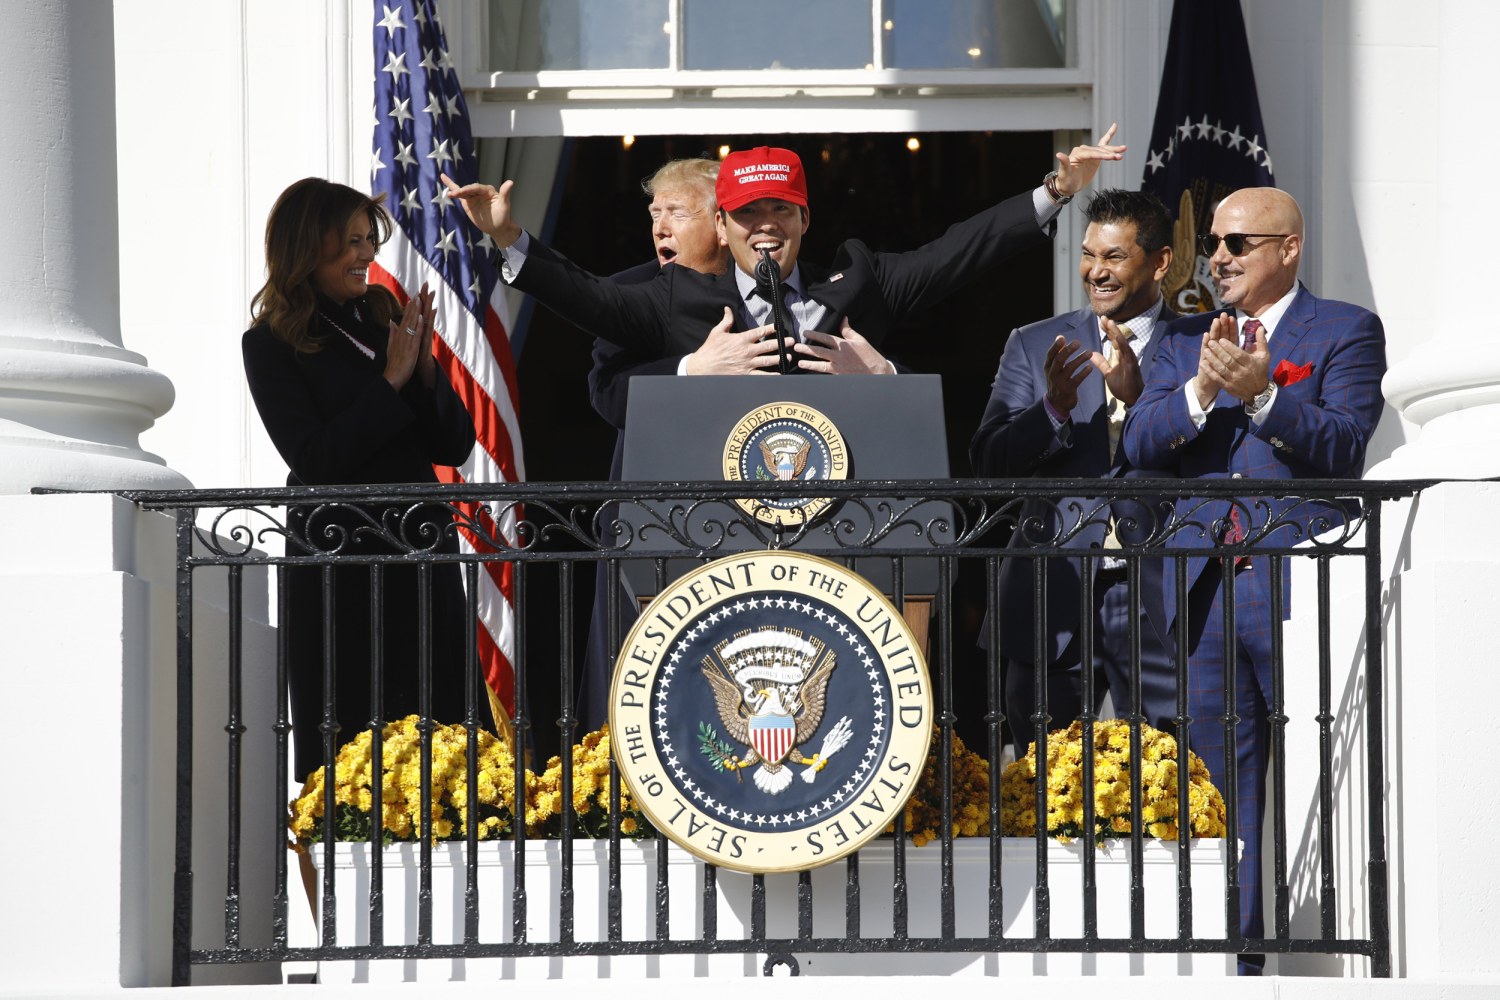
[[1056, 411], [1286, 386]]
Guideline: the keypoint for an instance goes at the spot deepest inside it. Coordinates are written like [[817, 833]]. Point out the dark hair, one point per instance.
[[1153, 223], [296, 232]]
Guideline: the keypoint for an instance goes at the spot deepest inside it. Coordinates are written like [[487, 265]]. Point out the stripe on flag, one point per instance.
[[421, 129]]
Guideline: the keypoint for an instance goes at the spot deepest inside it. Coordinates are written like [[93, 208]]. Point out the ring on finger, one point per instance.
[[411, 331]]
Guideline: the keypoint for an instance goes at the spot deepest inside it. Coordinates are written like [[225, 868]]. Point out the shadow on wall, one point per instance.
[[1327, 874], [1343, 270]]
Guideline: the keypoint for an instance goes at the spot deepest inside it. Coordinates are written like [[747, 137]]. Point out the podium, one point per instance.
[[677, 429]]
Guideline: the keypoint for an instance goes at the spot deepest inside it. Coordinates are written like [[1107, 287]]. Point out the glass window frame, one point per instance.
[[612, 102]]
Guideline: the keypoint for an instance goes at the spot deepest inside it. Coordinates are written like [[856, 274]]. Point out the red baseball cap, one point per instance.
[[762, 172]]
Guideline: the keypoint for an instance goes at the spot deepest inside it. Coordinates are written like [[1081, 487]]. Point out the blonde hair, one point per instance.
[[696, 172], [296, 231]]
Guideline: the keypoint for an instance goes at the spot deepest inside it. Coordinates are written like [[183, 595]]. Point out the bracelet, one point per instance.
[[1050, 183]]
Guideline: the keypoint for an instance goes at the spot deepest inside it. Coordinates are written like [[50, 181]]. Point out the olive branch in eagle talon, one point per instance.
[[720, 753], [771, 686]]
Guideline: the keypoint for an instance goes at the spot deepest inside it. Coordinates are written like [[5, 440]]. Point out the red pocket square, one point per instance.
[[1286, 373]]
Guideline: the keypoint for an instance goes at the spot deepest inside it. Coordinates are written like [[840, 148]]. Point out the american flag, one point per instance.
[[422, 128]]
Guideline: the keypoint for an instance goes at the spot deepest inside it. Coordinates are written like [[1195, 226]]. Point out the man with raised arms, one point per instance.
[[762, 196]]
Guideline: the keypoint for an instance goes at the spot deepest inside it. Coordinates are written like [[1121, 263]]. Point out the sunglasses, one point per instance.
[[1208, 244]]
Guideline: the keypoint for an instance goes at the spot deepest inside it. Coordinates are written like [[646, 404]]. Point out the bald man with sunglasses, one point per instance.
[[1279, 385]]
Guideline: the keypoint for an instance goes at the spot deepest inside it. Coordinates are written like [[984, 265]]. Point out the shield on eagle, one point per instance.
[[772, 736]]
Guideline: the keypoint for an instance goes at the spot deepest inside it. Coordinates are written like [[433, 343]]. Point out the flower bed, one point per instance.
[[1112, 787]]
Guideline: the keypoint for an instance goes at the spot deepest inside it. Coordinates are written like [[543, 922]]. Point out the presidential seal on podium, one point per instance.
[[771, 711], [785, 442]]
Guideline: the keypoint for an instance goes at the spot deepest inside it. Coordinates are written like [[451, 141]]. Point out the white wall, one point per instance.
[[215, 120], [87, 609]]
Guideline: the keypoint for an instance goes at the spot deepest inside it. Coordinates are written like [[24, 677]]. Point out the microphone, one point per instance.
[[768, 279]]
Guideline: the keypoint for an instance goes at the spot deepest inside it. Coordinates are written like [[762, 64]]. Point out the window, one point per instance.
[[530, 36]]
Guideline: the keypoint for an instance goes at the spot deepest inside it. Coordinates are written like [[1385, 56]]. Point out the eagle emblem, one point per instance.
[[770, 685], [1188, 285], [785, 454], [784, 442]]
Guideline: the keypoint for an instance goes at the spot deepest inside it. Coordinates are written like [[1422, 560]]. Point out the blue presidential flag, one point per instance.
[[1208, 139]]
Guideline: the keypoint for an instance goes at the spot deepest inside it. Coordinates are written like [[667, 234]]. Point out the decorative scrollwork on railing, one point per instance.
[[704, 518], [705, 524], [221, 535]]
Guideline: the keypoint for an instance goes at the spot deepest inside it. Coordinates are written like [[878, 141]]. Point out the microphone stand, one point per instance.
[[768, 277]]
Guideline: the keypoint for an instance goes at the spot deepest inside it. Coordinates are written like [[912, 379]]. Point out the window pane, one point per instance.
[[973, 34], [578, 34], [776, 34]]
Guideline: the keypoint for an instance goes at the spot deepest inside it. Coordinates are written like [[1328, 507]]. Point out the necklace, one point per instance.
[[364, 349]]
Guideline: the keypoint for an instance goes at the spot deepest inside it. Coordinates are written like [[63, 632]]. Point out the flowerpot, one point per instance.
[[971, 880], [732, 906], [496, 883]]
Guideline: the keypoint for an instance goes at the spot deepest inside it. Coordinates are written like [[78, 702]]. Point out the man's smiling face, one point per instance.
[[1122, 280], [766, 222]]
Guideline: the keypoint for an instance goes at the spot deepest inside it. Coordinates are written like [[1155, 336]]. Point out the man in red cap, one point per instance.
[[763, 205]]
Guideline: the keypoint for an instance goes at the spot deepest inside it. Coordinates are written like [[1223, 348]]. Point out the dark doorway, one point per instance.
[[871, 187]]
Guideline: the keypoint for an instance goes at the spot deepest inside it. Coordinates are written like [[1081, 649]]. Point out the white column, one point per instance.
[[1449, 385], [73, 401]]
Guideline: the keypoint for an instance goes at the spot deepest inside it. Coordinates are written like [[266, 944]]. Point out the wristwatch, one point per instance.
[[1262, 399], [1050, 183]]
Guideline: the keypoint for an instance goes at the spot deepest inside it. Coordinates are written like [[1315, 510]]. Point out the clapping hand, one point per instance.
[[1224, 365], [1122, 373], [408, 343], [1066, 367]]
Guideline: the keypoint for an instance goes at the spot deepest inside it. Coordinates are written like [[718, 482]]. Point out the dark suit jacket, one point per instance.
[[1013, 441], [614, 367], [671, 314], [337, 421], [1317, 428]]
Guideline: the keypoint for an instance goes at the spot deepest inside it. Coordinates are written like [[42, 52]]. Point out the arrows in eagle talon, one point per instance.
[[832, 744]]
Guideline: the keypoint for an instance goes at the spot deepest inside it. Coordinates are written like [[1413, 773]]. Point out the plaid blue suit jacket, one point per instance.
[[1317, 428]]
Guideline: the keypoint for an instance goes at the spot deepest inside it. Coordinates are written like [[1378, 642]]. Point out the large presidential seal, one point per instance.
[[785, 442], [771, 712]]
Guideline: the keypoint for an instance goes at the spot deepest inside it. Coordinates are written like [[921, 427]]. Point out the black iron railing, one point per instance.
[[893, 532]]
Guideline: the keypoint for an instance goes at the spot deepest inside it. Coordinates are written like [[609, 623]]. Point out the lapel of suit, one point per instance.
[[835, 296], [1158, 334], [1293, 327], [1091, 390]]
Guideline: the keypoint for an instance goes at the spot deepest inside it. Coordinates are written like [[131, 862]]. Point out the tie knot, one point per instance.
[[1247, 334], [1109, 345]]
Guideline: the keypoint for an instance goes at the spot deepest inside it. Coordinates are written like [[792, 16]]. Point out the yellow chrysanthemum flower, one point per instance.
[[1113, 786]]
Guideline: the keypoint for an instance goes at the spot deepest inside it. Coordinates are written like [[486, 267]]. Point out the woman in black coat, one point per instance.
[[346, 384]]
